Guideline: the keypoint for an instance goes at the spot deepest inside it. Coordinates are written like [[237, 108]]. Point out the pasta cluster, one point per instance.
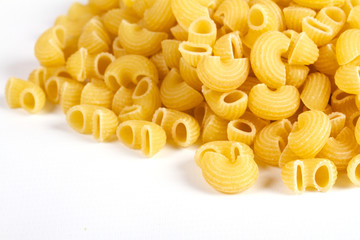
[[252, 81]]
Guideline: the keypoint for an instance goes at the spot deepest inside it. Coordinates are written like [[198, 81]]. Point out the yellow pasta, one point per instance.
[[349, 5], [97, 93], [140, 6], [347, 78], [122, 98], [230, 105], [275, 9], [80, 12], [103, 5], [319, 32], [38, 76], [159, 17], [113, 18], [70, 95], [53, 88], [294, 15], [352, 119], [179, 33], [193, 53], [177, 94], [180, 127], [203, 31], [160, 63], [318, 4], [128, 70], [144, 135], [310, 134], [117, 49], [337, 121], [189, 74], [271, 141], [80, 118], [57, 72], [259, 123], [347, 47], [214, 128], [241, 130], [357, 131], [229, 46], [273, 105], [105, 123], [316, 92], [266, 58], [343, 102], [302, 51], [296, 74], [353, 170], [353, 17], [170, 51], [327, 63], [316, 173], [334, 17]]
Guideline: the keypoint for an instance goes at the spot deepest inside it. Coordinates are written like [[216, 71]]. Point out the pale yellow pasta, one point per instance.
[[103, 5], [319, 32], [193, 53], [76, 65], [140, 6], [294, 15], [122, 98], [310, 134], [349, 5], [233, 14], [203, 31], [189, 74], [57, 72], [357, 131], [273, 104], [296, 74], [128, 70], [80, 118], [327, 63], [357, 101], [99, 64], [302, 50], [70, 95], [343, 102], [353, 18], [117, 49], [241, 130], [97, 93], [159, 17], [160, 63], [318, 4], [347, 78], [180, 127], [274, 8], [353, 170], [352, 120], [259, 123], [229, 46], [38, 76], [113, 18], [214, 128], [137, 40], [144, 135], [80, 12], [315, 173], [171, 53], [287, 155], [105, 123], [266, 58], [316, 92], [271, 141], [179, 33], [53, 88], [347, 47], [230, 105], [337, 120], [49, 47], [223, 76], [95, 37], [334, 17], [201, 112]]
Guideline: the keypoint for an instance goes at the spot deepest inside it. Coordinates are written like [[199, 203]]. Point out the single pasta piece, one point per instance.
[[316, 92], [122, 99], [337, 120], [310, 134], [128, 70], [286, 156], [273, 105], [353, 170], [349, 5], [230, 105], [105, 123], [117, 49], [352, 120], [78, 12], [159, 17], [140, 6], [171, 53], [103, 5], [76, 65], [13, 90], [249, 83], [353, 17], [179, 33], [347, 78], [97, 93], [177, 94], [53, 88], [296, 75], [241, 130], [144, 135], [203, 31], [80, 118], [318, 4], [315, 173], [214, 128], [275, 9], [49, 47], [159, 61], [189, 74], [294, 15], [334, 17], [319, 32], [180, 127], [357, 131], [259, 123], [266, 58], [113, 18], [327, 63], [70, 95], [229, 46], [347, 47], [38, 76], [193, 53], [138, 40], [271, 141], [302, 50], [343, 102]]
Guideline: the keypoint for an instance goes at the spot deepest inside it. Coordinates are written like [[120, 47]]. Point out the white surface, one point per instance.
[[57, 184]]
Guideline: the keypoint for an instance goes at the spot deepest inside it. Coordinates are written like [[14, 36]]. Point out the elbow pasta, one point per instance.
[[159, 22], [170, 51], [296, 75], [294, 15], [302, 50], [337, 121], [105, 123], [347, 79], [38, 76], [229, 46], [241, 130], [353, 17], [203, 31], [327, 62], [189, 74], [159, 61], [179, 33], [347, 47], [318, 4], [113, 18], [316, 92], [97, 93], [122, 99], [53, 88], [193, 53], [353, 170], [319, 32], [70, 95]]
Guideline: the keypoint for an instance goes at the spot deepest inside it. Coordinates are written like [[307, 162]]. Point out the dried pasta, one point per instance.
[[316, 92], [353, 170]]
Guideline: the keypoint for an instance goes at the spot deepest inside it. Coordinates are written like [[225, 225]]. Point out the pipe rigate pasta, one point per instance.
[[159, 22], [214, 128], [193, 53], [103, 5], [316, 92], [70, 95], [275, 9], [294, 15], [160, 64], [347, 47], [353, 17], [113, 18], [38, 76], [105, 123], [249, 83], [337, 120], [203, 31], [53, 88], [117, 49], [179, 33], [302, 50], [189, 74], [122, 98], [296, 74], [318, 4], [327, 62], [97, 93], [228, 46], [353, 170], [171, 53], [347, 78], [334, 17], [319, 32], [349, 5], [80, 118], [343, 102], [241, 130]]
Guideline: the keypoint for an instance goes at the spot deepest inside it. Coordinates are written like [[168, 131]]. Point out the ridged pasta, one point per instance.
[[337, 120], [296, 74], [271, 141], [334, 17], [113, 18], [302, 50], [352, 119], [38, 76], [128, 70], [230, 105], [122, 98], [160, 63], [179, 33], [97, 93], [357, 131], [347, 78], [294, 15], [266, 58], [180, 127], [80, 118], [273, 105], [229, 46], [353, 170], [80, 12], [137, 40], [144, 135], [319, 32], [70, 95], [103, 5], [287, 155], [316, 92], [170, 51], [259, 123], [193, 53], [347, 47], [189, 74], [53, 88], [310, 134], [275, 9], [159, 22], [343, 102], [349, 5], [327, 63], [177, 94], [57, 72], [105, 123], [353, 17], [241, 130], [202, 30], [140, 6], [117, 49], [318, 4], [214, 128]]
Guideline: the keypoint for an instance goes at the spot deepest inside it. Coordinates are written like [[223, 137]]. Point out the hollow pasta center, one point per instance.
[[299, 179], [77, 119], [181, 132], [29, 100], [242, 127], [127, 135], [256, 17], [322, 176]]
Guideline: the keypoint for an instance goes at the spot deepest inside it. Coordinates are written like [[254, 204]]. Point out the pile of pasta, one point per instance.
[[276, 82]]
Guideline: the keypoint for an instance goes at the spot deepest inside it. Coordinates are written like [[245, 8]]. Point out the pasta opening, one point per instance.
[[60, 35], [357, 172], [126, 80], [97, 126], [199, 114], [322, 176], [243, 127], [233, 97], [299, 178], [158, 117], [113, 82], [127, 135], [355, 119], [181, 132], [194, 49], [317, 25], [76, 119], [64, 74], [52, 90], [235, 49], [146, 143], [29, 100], [202, 27], [334, 14], [129, 109], [342, 96], [256, 17], [282, 144], [235, 153], [141, 88], [102, 63]]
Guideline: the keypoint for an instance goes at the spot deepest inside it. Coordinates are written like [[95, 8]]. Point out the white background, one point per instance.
[[57, 184]]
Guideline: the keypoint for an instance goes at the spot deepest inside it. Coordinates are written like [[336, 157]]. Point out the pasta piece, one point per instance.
[[229, 46], [334, 17], [97, 93], [201, 113], [122, 98], [230, 105], [337, 121], [160, 63], [179, 33], [138, 40], [105, 123], [233, 14], [327, 63], [353, 17], [241, 131], [53, 88], [147, 136], [294, 15], [347, 47], [286, 156], [80, 12], [214, 128], [315, 173], [57, 72], [223, 76], [353, 170], [170, 49], [271, 141], [316, 92], [128, 70], [113, 18], [349, 5], [319, 32], [103, 5], [273, 105], [99, 65], [296, 75], [80, 118], [357, 131], [343, 102], [275, 9], [259, 123], [352, 120], [347, 78], [203, 31], [70, 95], [177, 94], [38, 76], [118, 50], [49, 47], [193, 53], [310, 134], [189, 74], [159, 17], [302, 51], [140, 6], [318, 4], [266, 58], [76, 65], [180, 127]]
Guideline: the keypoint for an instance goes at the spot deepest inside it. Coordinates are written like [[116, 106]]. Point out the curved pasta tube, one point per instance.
[[113, 18], [128, 70], [189, 74], [296, 75], [343, 102], [144, 135], [241, 130], [103, 5], [49, 47], [214, 128], [327, 63], [223, 76], [275, 9], [122, 99], [117, 49], [177, 94], [38, 76], [353, 171], [353, 17], [316, 92], [105, 123], [347, 78], [273, 105], [229, 46], [357, 131], [53, 88], [160, 64], [202, 30], [80, 118], [230, 105], [76, 65], [352, 120], [315, 173], [302, 51], [337, 120], [347, 49], [97, 93], [319, 32], [137, 40], [171, 53], [286, 156], [193, 53], [201, 112], [140, 6], [310, 134], [294, 15], [334, 17], [179, 33], [80, 12], [180, 127], [266, 58], [318, 4], [70, 95], [159, 22], [271, 141], [259, 123], [249, 83]]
